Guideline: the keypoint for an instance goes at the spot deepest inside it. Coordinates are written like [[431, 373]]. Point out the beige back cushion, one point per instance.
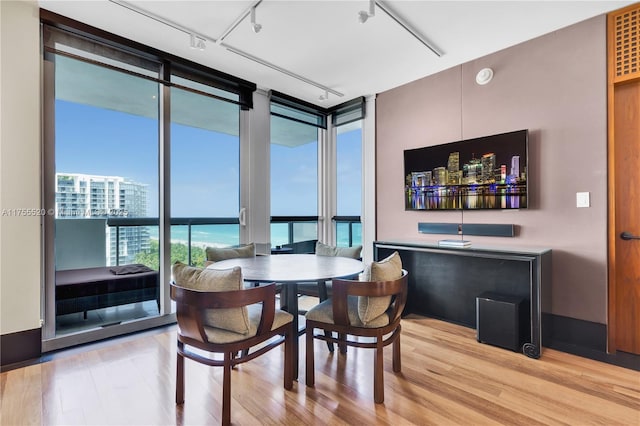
[[216, 254], [326, 250], [389, 269], [232, 319]]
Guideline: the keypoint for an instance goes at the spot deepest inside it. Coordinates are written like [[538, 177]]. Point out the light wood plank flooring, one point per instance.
[[447, 379]]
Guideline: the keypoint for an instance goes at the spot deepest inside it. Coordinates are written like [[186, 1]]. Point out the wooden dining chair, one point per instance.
[[322, 289], [239, 325], [346, 316]]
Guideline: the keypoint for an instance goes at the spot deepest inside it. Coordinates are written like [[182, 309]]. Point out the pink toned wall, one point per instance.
[[555, 86]]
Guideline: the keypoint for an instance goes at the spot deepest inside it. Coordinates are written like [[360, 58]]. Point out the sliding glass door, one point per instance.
[[106, 194], [119, 127]]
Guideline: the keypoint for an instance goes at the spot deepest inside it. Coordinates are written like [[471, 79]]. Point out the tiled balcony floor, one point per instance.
[[73, 323]]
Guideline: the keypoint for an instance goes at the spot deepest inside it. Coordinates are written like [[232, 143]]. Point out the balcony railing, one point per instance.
[[190, 222], [298, 228], [354, 230]]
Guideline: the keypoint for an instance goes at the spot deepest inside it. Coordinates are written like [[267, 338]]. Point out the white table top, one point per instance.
[[284, 268]]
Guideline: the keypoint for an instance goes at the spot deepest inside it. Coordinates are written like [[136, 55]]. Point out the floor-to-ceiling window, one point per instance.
[[349, 184], [316, 172], [205, 170], [347, 120], [294, 171]]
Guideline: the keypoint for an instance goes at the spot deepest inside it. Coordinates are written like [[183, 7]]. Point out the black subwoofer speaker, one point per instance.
[[502, 320]]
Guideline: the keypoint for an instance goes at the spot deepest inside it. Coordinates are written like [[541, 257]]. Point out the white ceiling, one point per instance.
[[322, 42]]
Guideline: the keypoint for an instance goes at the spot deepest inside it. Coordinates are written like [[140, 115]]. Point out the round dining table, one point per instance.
[[289, 270]]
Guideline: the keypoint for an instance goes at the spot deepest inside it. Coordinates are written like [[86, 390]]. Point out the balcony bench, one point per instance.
[[82, 290]]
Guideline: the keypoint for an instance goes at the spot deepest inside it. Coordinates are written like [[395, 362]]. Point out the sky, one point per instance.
[[205, 164], [504, 146]]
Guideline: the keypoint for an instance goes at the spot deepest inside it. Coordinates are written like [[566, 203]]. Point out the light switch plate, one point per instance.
[[583, 199]]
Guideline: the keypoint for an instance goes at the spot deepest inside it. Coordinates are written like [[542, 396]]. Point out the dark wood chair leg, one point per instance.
[[329, 344], [226, 389], [397, 364], [310, 373], [180, 376], [288, 359], [378, 370], [342, 346]]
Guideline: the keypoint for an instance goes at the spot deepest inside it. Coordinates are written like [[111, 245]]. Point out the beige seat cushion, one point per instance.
[[216, 335], [323, 312], [389, 269], [232, 319], [216, 254], [327, 250]]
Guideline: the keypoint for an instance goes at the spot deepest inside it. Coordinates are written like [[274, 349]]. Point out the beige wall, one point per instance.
[[555, 86], [19, 166]]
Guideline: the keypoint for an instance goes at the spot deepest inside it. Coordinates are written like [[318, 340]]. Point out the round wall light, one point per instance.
[[484, 76]]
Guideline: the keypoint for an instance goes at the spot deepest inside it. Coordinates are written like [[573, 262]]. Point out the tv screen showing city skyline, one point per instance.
[[488, 172]]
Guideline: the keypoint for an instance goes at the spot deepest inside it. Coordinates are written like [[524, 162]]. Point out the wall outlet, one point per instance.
[[583, 199]]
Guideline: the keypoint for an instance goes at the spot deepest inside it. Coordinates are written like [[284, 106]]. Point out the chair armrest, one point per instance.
[[191, 305], [343, 288], [223, 299]]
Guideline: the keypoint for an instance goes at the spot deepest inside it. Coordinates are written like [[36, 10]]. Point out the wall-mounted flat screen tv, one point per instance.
[[482, 173]]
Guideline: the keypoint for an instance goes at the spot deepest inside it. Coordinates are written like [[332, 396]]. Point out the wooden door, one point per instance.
[[627, 217], [624, 180]]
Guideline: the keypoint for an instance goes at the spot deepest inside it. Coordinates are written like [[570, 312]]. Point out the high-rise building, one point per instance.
[[453, 164], [80, 196], [472, 172], [439, 176], [515, 167], [488, 168], [453, 169]]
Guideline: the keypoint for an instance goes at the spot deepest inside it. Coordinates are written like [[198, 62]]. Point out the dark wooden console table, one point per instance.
[[444, 281]]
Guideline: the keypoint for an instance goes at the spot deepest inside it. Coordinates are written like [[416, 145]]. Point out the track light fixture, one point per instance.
[[364, 15], [198, 42], [255, 27]]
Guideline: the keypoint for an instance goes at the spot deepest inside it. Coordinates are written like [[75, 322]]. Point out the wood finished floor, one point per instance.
[[447, 379]]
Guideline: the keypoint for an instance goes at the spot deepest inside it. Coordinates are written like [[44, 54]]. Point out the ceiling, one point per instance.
[[319, 49]]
